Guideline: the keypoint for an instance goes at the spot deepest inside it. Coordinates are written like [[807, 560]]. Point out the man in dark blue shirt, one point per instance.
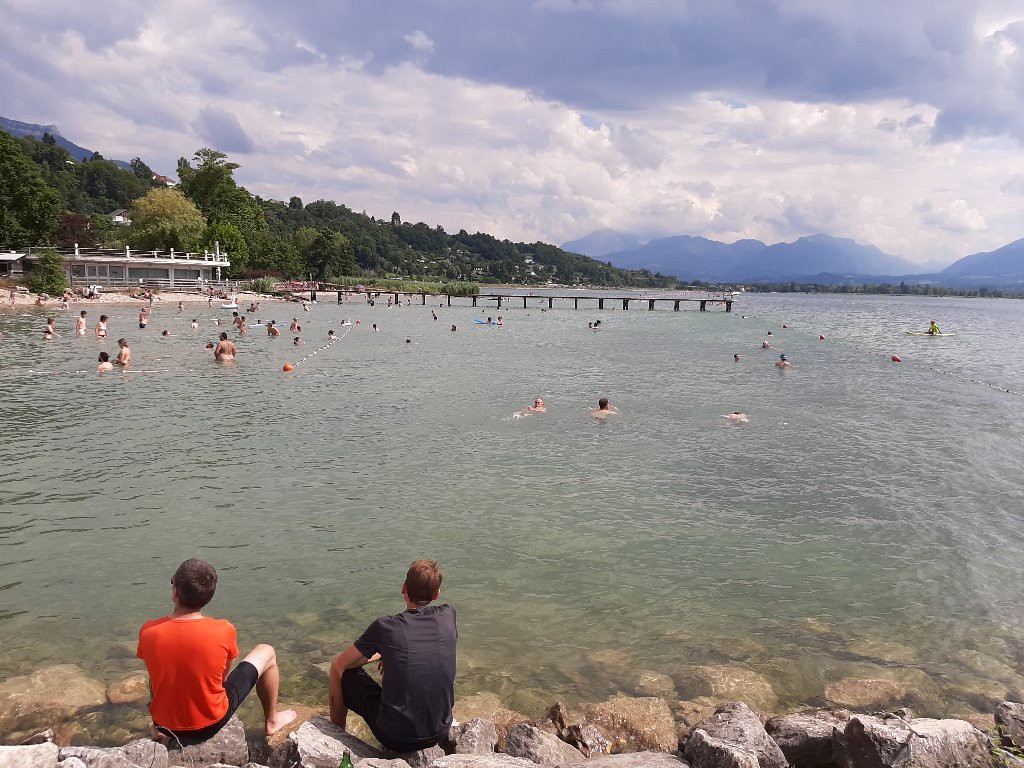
[[411, 709]]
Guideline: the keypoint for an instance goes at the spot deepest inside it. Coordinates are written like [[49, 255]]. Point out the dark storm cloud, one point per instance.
[[221, 129]]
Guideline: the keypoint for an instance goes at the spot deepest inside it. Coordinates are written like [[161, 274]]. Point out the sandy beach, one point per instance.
[[28, 299]]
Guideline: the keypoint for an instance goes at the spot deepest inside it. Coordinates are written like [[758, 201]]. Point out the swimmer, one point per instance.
[[735, 358], [453, 329], [408, 341], [209, 302], [765, 345], [537, 407], [224, 352], [143, 317], [332, 337], [165, 333], [297, 341], [295, 325], [500, 321], [50, 331], [769, 333], [736, 417], [101, 327], [604, 409], [13, 296], [124, 355], [64, 301], [375, 328], [432, 312], [80, 324], [490, 321], [195, 323], [181, 306], [782, 362], [209, 345], [590, 325], [104, 363], [273, 330]]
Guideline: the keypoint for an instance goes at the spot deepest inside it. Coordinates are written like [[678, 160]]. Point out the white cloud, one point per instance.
[[955, 216], [420, 41]]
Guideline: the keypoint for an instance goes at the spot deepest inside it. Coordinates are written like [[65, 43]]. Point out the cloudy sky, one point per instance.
[[894, 122]]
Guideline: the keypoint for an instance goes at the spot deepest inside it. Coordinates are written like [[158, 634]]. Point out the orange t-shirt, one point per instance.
[[186, 660]]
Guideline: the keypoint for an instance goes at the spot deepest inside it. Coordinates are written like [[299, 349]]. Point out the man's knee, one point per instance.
[[263, 657]]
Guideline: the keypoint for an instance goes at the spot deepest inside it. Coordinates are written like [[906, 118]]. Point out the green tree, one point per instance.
[[165, 218], [231, 241], [48, 273], [28, 206], [332, 255], [211, 186], [75, 229], [141, 170]]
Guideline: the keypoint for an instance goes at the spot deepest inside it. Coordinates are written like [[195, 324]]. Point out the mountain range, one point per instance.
[[18, 129], [816, 258]]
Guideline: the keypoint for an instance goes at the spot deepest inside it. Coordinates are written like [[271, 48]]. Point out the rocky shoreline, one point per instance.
[[622, 732]]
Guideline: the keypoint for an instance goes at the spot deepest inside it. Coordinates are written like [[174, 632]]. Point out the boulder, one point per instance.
[[34, 756], [733, 737], [477, 737], [143, 753], [655, 684], [227, 746], [380, 762], [631, 760], [72, 762], [495, 760], [302, 714], [871, 742], [488, 706], [421, 758], [586, 737], [525, 740], [130, 690], [1010, 724], [319, 743], [807, 738], [51, 693], [632, 724]]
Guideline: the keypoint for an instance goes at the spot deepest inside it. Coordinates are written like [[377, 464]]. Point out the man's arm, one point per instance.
[[350, 658]]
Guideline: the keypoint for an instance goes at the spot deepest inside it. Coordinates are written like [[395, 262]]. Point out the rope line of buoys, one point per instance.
[[347, 324], [898, 359]]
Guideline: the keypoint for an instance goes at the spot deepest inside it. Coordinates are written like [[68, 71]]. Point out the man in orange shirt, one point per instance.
[[188, 657]]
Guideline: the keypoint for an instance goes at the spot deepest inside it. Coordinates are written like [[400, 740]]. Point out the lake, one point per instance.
[[865, 522]]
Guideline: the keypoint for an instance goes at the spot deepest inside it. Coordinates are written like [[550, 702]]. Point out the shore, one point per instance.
[[25, 300]]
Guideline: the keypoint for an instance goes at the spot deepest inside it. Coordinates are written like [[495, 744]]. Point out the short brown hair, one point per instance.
[[196, 581], [423, 581]]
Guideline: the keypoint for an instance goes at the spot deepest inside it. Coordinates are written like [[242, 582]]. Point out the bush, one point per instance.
[[435, 288], [47, 275], [262, 285]]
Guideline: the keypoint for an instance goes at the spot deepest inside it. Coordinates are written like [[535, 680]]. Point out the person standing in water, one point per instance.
[[104, 363], [124, 355], [224, 352], [80, 324], [101, 327], [782, 362]]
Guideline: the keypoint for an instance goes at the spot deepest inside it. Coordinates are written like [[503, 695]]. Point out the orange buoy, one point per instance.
[[821, 338], [288, 367], [896, 359]]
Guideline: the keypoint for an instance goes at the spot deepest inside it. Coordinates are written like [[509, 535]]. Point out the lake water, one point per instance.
[[866, 522]]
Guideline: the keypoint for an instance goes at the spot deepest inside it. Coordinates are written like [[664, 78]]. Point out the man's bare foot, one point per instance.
[[279, 721], [155, 735]]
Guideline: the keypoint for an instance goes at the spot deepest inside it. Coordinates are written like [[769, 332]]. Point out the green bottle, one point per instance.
[[346, 761]]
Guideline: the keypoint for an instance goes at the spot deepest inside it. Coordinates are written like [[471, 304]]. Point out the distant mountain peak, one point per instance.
[[601, 242], [18, 129]]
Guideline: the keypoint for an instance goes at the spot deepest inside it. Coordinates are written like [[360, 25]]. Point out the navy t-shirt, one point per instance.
[[417, 648]]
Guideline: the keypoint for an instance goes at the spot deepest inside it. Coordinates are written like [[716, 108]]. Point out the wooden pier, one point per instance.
[[623, 300]]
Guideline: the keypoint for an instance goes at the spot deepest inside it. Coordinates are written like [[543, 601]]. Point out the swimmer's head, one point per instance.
[[782, 357], [103, 318], [166, 333], [223, 336], [122, 342], [104, 357], [602, 403], [538, 402]]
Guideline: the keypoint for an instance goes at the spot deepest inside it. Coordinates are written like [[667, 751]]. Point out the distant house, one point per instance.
[[165, 180], [112, 268], [121, 217]]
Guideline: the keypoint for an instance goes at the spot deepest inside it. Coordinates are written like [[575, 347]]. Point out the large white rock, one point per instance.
[[495, 760], [871, 742], [319, 743], [142, 753], [525, 740], [632, 760], [35, 756], [228, 746]]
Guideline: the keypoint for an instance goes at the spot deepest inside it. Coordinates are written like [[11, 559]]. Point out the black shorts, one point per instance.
[[362, 695], [238, 685]]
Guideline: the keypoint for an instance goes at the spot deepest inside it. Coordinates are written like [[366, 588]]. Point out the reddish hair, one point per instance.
[[423, 581]]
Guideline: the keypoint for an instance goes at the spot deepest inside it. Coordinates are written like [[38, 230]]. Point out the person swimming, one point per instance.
[[297, 341], [782, 362], [735, 358], [736, 417], [604, 409], [104, 363]]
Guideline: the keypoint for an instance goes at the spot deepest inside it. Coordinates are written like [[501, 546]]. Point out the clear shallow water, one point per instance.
[[866, 522]]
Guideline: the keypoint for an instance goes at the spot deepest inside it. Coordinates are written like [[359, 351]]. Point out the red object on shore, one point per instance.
[[896, 359], [287, 367]]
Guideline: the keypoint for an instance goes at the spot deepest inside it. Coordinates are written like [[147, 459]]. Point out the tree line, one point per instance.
[[893, 289], [46, 198]]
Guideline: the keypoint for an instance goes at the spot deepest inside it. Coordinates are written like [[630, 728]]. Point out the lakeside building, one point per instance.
[[115, 268]]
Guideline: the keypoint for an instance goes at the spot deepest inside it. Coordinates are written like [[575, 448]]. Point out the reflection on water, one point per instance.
[[863, 524]]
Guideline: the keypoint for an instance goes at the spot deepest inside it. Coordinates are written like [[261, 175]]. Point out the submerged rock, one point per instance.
[[51, 693], [632, 724], [130, 690], [655, 684], [525, 740], [867, 692], [871, 742], [319, 743], [733, 738], [227, 746], [718, 684], [34, 756]]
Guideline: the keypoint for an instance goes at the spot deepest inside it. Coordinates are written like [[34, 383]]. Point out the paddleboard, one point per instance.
[[229, 306], [925, 333]]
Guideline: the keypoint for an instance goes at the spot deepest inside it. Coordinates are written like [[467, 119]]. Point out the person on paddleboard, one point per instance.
[[933, 329]]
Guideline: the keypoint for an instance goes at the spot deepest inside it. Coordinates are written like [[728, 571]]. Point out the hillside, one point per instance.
[[1004, 264], [18, 130]]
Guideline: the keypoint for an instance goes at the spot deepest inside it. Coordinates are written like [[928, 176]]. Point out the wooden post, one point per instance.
[[600, 303], [650, 304], [396, 298], [576, 302], [424, 298], [499, 302], [450, 300], [524, 302], [676, 306], [703, 305], [340, 297], [625, 303], [551, 302], [474, 301], [728, 306]]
